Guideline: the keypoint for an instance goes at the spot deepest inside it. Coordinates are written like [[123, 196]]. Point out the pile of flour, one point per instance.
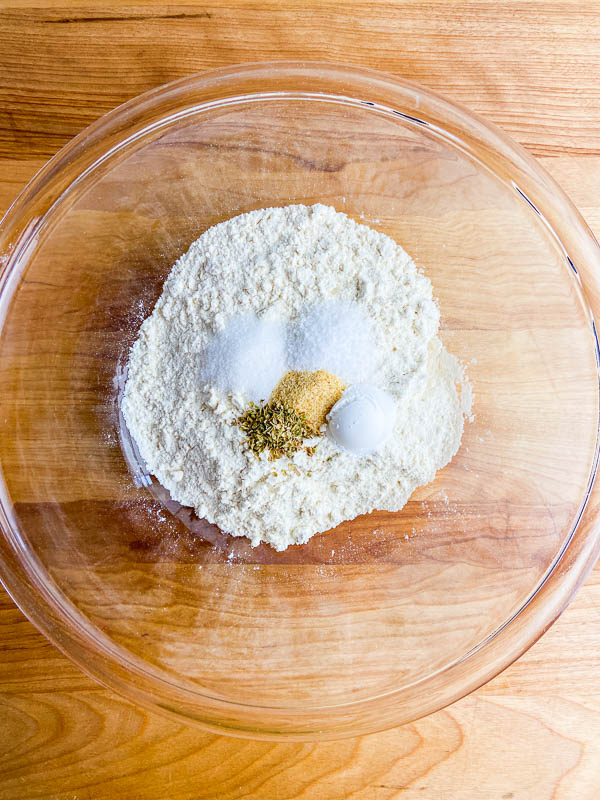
[[276, 263]]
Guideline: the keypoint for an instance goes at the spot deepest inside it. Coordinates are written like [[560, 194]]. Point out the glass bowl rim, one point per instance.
[[25, 579]]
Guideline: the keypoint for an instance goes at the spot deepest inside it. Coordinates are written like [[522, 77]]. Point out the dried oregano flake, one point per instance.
[[274, 427]]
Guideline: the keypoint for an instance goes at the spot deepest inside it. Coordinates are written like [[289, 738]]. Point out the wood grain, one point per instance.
[[532, 66]]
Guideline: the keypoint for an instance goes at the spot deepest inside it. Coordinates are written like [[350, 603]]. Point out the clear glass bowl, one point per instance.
[[390, 616]]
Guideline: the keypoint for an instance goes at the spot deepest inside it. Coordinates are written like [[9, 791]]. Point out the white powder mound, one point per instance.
[[334, 336], [277, 264], [248, 355]]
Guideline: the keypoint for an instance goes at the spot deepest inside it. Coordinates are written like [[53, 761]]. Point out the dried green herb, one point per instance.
[[274, 427]]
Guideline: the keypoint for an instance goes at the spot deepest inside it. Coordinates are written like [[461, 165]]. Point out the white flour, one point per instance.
[[276, 262]]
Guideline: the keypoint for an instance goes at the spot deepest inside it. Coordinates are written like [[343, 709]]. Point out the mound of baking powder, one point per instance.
[[277, 264]]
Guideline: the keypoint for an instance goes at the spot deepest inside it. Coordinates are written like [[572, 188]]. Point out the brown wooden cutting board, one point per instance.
[[531, 66]]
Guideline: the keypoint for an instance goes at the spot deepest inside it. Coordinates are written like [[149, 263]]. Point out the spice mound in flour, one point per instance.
[[274, 427], [326, 278], [311, 394]]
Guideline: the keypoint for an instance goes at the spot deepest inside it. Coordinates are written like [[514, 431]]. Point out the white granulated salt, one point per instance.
[[278, 264], [247, 356], [337, 337]]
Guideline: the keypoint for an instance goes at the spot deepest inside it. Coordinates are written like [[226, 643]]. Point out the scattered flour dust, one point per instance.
[[276, 263]]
